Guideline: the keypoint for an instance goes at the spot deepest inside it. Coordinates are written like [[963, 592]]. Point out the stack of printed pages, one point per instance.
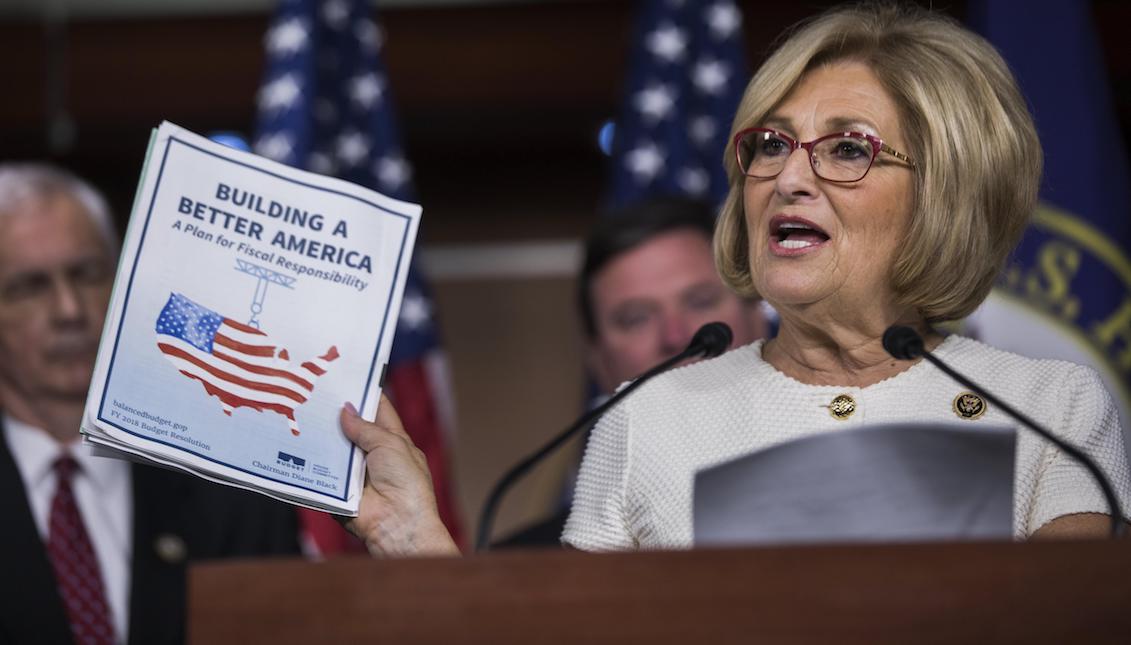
[[251, 302]]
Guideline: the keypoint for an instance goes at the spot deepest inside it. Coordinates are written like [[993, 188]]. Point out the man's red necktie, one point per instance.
[[76, 568]]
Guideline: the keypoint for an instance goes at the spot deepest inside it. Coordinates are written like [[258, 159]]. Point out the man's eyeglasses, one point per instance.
[[841, 157]]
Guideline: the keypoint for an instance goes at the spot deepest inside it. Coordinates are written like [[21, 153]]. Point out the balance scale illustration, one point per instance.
[[264, 278]]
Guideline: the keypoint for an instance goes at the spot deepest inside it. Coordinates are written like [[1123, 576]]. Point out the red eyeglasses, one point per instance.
[[842, 157]]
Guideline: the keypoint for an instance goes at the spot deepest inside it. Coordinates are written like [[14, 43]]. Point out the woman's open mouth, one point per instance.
[[794, 235]]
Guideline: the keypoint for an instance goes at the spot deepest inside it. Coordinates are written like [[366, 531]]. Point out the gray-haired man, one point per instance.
[[94, 549]]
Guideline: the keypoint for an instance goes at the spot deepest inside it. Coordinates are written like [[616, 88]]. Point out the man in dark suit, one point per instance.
[[93, 550]]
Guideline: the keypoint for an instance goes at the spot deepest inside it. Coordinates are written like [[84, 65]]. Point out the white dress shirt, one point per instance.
[[103, 491]]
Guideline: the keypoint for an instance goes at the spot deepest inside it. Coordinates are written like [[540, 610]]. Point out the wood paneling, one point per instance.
[[1052, 592]]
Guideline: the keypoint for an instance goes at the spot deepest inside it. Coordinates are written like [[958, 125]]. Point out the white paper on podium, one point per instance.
[[887, 483]]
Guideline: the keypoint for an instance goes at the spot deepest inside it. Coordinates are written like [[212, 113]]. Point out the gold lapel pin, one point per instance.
[[842, 407], [968, 405]]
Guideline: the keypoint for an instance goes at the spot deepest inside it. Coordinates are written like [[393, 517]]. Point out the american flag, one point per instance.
[[686, 75], [236, 363], [325, 106]]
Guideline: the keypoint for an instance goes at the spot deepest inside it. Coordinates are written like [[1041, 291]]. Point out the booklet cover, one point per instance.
[[251, 302]]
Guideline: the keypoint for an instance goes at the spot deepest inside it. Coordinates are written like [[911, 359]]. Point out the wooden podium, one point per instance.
[[1054, 592]]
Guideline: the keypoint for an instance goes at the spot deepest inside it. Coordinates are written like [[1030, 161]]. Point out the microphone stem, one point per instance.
[[1117, 526], [487, 516]]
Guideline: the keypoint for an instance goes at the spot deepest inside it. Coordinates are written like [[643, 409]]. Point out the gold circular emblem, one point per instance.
[[968, 405], [842, 407]]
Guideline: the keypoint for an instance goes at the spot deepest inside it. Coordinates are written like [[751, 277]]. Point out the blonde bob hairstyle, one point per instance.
[[978, 158]]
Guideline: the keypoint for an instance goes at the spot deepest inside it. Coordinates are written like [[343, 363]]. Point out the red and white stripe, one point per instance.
[[246, 370]]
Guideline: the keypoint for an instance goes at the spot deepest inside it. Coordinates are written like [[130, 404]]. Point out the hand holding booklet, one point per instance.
[[251, 302]]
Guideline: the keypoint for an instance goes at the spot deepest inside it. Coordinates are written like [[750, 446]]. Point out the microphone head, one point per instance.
[[903, 342], [711, 340]]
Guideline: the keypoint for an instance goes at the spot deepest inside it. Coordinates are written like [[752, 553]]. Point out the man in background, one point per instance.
[[648, 282], [94, 550]]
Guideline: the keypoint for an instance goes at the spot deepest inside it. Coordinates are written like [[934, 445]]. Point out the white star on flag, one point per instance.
[[335, 13], [366, 89], [668, 43], [710, 76], [723, 19], [352, 148], [684, 83], [694, 180], [287, 38], [655, 102], [392, 171], [280, 93], [644, 162], [416, 313], [277, 146], [369, 35], [702, 130]]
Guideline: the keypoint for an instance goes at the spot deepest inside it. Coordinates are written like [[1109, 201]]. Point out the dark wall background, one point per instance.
[[499, 103]]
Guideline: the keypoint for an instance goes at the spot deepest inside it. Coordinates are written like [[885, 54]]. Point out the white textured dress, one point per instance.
[[635, 486]]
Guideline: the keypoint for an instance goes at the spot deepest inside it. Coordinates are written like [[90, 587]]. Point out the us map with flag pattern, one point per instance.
[[236, 363]]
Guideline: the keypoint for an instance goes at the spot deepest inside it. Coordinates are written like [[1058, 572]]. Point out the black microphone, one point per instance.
[[711, 340], [904, 343]]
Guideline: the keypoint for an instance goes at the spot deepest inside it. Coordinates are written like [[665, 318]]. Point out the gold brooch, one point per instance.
[[842, 407], [968, 405]]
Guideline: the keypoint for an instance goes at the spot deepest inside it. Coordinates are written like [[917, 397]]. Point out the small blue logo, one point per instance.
[[298, 462]]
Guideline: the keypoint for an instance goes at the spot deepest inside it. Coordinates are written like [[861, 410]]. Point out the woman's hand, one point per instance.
[[398, 515]]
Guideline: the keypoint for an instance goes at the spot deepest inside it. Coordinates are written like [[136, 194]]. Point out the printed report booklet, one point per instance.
[[251, 302]]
